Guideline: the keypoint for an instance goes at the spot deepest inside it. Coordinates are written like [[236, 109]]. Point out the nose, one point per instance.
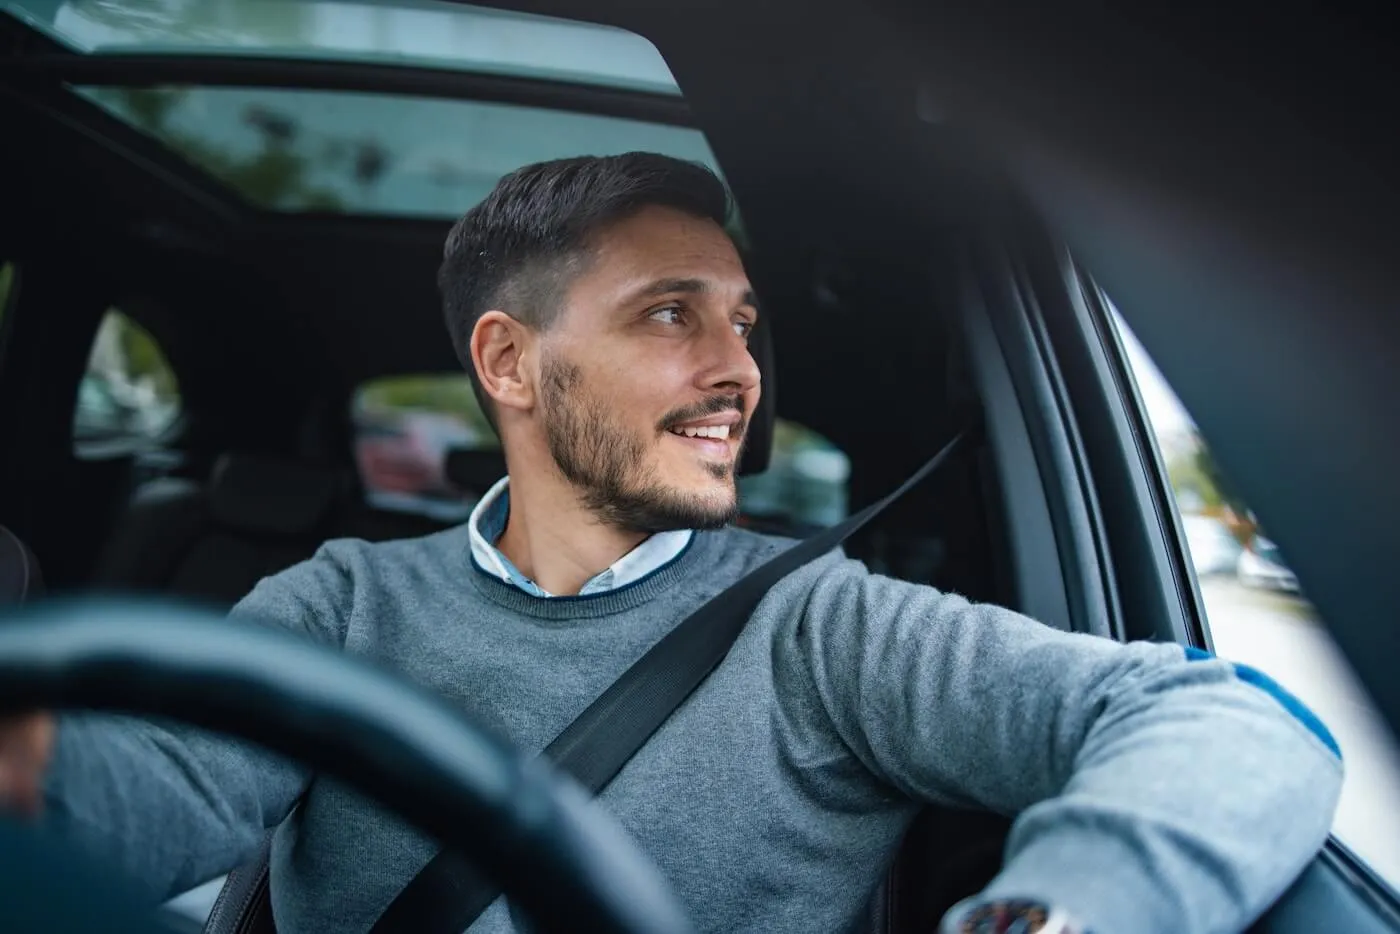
[[729, 366]]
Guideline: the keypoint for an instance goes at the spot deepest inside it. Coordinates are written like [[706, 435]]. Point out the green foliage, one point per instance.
[[142, 357], [275, 177], [1198, 473], [7, 278], [1186, 477], [447, 394]]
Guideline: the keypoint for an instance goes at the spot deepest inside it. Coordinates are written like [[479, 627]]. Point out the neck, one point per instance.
[[554, 540]]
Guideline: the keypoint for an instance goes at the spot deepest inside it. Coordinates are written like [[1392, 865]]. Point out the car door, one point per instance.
[[1132, 488]]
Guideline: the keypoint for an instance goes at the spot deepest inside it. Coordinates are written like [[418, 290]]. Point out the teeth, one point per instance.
[[717, 432]]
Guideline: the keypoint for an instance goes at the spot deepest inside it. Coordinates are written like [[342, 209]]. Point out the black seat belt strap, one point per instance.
[[448, 894]]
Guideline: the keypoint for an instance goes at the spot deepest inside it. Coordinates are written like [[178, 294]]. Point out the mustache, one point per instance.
[[711, 406]]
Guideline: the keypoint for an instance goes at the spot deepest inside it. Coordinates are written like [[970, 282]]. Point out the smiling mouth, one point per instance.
[[714, 444], [715, 429], [707, 432]]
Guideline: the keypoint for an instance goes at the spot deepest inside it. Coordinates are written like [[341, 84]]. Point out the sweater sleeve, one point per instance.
[[174, 806], [1156, 789]]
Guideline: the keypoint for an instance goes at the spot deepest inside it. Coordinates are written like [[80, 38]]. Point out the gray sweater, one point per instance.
[[1154, 794]]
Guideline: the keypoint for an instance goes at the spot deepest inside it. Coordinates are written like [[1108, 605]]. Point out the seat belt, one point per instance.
[[449, 893]]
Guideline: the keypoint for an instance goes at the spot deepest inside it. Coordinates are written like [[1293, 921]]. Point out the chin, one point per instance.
[[711, 506]]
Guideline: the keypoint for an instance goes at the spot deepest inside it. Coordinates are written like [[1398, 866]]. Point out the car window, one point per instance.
[[405, 428], [8, 275], [7, 278], [128, 398], [7, 284], [804, 486], [1258, 613], [298, 150], [304, 150]]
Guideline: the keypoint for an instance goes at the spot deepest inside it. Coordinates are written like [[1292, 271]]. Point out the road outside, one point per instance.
[[1283, 637]]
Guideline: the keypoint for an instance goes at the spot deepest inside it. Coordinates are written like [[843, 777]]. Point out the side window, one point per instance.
[[405, 429], [129, 398], [1258, 613], [804, 486], [7, 279], [8, 275]]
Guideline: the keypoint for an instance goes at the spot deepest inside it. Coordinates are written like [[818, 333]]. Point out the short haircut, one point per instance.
[[519, 249]]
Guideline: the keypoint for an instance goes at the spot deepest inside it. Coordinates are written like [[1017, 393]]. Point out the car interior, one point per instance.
[[896, 315]]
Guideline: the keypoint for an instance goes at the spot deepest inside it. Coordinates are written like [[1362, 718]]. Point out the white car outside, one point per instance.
[[1262, 566]]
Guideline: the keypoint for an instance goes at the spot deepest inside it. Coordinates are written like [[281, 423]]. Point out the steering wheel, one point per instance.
[[566, 864]]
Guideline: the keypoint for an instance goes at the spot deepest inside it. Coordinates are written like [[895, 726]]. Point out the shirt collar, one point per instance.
[[488, 522]]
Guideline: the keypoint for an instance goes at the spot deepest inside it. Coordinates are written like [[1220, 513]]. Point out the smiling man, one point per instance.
[[603, 315], [617, 372]]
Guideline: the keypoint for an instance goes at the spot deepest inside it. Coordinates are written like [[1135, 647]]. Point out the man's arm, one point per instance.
[[1155, 793], [175, 806]]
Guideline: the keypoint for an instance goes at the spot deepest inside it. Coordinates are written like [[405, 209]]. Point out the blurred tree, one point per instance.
[[143, 359], [7, 278], [1186, 476], [444, 393], [274, 177], [1196, 473], [1224, 492]]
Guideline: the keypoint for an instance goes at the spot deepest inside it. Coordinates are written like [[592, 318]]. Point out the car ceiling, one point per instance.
[[1208, 167]]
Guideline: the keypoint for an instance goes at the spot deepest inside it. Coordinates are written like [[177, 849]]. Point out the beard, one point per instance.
[[607, 462]]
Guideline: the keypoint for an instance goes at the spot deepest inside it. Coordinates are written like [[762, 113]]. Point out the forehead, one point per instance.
[[663, 243]]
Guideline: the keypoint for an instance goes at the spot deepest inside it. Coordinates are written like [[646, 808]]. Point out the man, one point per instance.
[[603, 315]]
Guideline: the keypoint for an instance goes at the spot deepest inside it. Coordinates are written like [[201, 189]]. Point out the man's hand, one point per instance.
[[26, 744]]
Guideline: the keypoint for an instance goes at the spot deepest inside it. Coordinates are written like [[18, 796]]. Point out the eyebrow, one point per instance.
[[692, 286]]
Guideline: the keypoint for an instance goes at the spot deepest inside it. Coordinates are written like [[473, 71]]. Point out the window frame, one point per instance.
[[1383, 894], [1144, 520], [1065, 421]]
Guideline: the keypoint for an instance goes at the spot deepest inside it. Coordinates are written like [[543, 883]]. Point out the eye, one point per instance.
[[743, 328], [667, 314]]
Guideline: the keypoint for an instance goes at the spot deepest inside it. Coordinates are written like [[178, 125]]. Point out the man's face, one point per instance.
[[646, 381]]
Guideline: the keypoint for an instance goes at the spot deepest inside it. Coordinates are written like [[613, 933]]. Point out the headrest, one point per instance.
[[19, 570], [759, 446], [268, 495]]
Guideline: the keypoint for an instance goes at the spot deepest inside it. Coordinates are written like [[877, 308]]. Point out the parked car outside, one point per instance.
[[1261, 565]]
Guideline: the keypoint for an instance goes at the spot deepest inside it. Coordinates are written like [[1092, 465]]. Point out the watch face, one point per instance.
[[1014, 917]]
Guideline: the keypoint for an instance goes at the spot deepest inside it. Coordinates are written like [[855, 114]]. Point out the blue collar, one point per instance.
[[488, 522]]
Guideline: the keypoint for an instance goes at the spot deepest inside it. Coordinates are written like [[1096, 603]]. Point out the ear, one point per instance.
[[499, 346]]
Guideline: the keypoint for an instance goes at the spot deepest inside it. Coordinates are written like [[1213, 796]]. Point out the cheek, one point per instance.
[[646, 385]]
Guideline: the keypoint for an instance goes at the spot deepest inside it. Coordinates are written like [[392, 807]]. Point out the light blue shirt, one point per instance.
[[488, 522]]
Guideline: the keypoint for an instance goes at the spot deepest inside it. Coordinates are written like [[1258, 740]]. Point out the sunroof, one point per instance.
[[298, 150], [422, 33]]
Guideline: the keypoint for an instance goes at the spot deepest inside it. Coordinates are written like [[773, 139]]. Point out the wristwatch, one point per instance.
[[1008, 916]]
